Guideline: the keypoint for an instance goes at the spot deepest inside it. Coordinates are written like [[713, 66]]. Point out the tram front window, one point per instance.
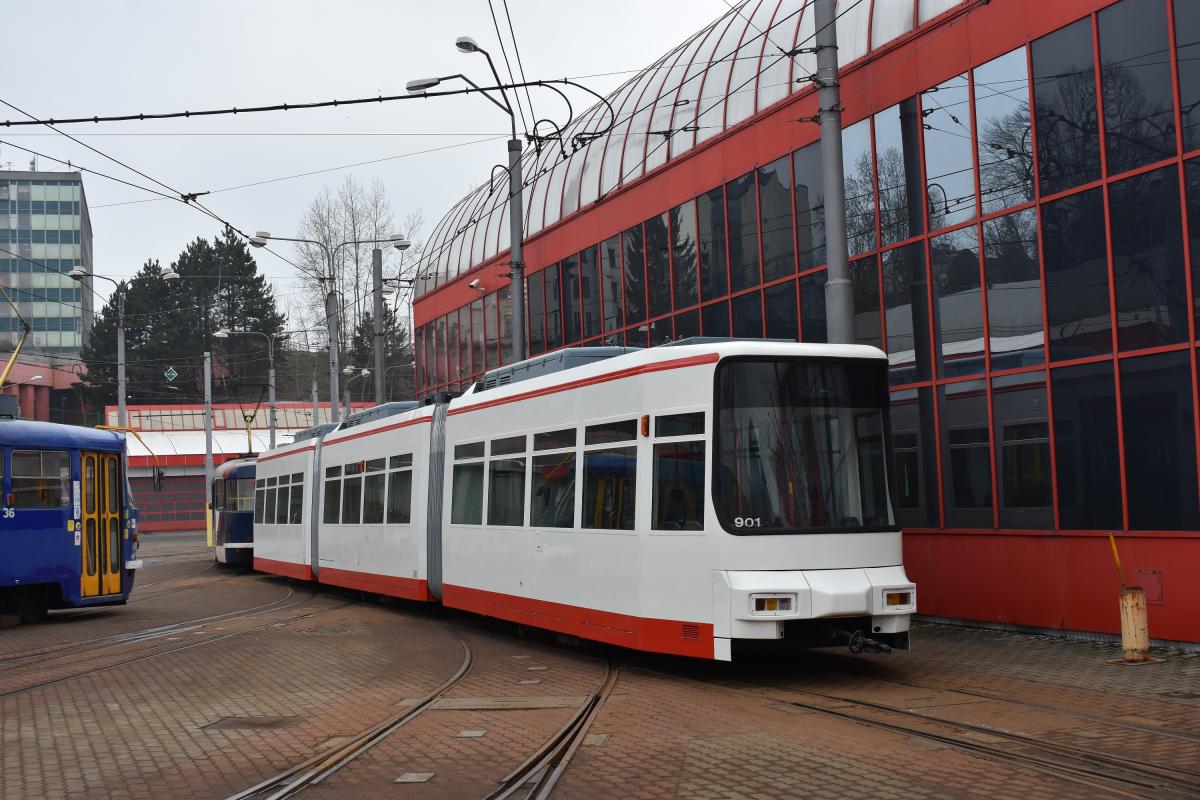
[[800, 446]]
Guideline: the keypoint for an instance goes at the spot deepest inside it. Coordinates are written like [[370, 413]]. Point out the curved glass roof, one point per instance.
[[720, 76]]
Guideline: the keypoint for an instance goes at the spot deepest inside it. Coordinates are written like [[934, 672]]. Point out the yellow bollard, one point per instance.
[[1135, 628]]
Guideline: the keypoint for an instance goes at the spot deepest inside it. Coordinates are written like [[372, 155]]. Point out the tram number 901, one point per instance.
[[747, 522]]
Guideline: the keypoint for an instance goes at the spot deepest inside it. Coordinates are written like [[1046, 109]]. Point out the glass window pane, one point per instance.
[[469, 450], [373, 489], [331, 512], [914, 458], [269, 512], [1187, 44], [635, 275], [742, 215], [570, 299], [678, 501], [907, 308], [1135, 70], [589, 282], [41, 479], [955, 260], [554, 331], [609, 488], [1085, 442], [860, 187], [1023, 451], [351, 501], [508, 445], [658, 265], [399, 498], [260, 502], [1148, 265], [1160, 442], [687, 324], [552, 491], [710, 214], [466, 494], [537, 313], [780, 305], [397, 462], [549, 440], [864, 277], [714, 319], [281, 506], [691, 424], [775, 209], [898, 156], [1064, 92], [464, 343], [1077, 305], [966, 455], [506, 491], [504, 318], [477, 337], [490, 341], [1014, 290], [810, 206], [296, 505], [609, 432], [684, 259], [748, 316], [949, 146], [610, 266], [452, 347]]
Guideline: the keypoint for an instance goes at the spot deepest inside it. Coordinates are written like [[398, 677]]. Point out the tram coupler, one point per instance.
[[859, 643]]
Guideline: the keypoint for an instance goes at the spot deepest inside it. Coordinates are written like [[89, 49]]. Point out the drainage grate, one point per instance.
[[251, 723]]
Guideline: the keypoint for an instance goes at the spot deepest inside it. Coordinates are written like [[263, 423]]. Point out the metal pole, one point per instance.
[[271, 385], [331, 319], [377, 288], [839, 292], [316, 418], [516, 223], [349, 406], [121, 418], [208, 447]]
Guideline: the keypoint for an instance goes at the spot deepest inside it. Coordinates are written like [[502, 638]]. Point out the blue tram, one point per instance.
[[233, 511], [68, 525]]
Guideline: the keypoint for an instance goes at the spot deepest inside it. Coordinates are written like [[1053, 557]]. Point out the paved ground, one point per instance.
[[212, 680]]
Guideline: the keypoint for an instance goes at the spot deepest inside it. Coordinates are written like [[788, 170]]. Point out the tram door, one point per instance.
[[101, 540]]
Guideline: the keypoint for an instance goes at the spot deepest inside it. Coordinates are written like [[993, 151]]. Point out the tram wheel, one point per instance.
[[31, 606]]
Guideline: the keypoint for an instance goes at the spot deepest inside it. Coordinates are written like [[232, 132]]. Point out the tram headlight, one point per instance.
[[772, 604]]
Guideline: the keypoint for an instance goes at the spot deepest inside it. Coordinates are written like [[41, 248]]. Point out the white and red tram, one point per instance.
[[674, 499]]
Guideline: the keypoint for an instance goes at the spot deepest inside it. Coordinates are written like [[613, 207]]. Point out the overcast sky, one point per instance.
[[109, 57]]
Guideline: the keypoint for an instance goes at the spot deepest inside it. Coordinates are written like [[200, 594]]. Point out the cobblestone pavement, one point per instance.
[[212, 680]]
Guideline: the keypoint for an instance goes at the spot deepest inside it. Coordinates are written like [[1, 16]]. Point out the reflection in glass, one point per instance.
[[898, 161], [1005, 139], [570, 299], [589, 287], [452, 346], [684, 261], [505, 329], [1014, 290], [714, 319], [742, 211], [710, 214], [1077, 307], [955, 260], [906, 303], [610, 281], [775, 207], [1148, 265], [464, 342], [554, 332], [609, 488], [635, 275], [810, 206], [860, 187], [1085, 445], [477, 336], [949, 172], [537, 313], [779, 303], [812, 308], [1187, 50], [1160, 442], [966, 455], [658, 265], [748, 316], [1135, 72], [552, 491], [687, 324], [678, 501], [1064, 91], [1023, 451], [506, 491], [868, 311]]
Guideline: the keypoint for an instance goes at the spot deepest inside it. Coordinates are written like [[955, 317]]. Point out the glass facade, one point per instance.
[[44, 234], [1025, 245]]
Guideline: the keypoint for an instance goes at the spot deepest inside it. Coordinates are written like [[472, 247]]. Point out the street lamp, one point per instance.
[[354, 374], [260, 239], [225, 333], [78, 274]]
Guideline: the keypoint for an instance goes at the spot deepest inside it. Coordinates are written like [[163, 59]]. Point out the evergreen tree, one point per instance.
[[397, 357]]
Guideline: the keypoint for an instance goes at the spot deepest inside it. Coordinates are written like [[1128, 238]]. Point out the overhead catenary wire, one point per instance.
[[520, 65], [525, 125]]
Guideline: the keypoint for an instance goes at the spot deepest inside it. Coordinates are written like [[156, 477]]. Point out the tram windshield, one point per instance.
[[799, 446]]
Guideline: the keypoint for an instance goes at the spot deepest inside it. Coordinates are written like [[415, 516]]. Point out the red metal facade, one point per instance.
[[1005, 510]]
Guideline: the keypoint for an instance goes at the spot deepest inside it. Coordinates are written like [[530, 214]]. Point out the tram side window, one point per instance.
[[678, 501], [260, 500], [243, 495], [609, 488], [296, 505], [352, 486], [41, 479], [506, 482], [282, 501], [399, 490], [374, 486], [466, 492], [552, 480], [332, 505]]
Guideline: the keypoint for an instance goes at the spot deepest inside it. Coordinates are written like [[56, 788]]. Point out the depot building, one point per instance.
[[1023, 207]]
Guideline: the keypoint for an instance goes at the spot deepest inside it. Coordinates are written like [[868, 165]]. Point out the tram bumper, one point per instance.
[[815, 607]]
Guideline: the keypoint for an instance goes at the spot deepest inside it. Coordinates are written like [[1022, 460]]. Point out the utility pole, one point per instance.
[[331, 320], [271, 386], [316, 418], [208, 448], [122, 419], [839, 292], [377, 288], [516, 250]]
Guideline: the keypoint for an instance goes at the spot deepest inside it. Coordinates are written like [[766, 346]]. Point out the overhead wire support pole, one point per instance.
[[839, 292], [377, 292], [208, 448]]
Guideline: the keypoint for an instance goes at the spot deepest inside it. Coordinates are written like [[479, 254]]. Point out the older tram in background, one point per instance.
[[68, 526], [680, 499], [233, 512]]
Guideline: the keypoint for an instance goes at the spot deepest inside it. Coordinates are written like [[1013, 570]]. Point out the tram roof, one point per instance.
[[716, 79], [235, 468], [30, 433]]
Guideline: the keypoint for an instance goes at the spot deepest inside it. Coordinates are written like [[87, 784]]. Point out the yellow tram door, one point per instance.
[[110, 525], [90, 541]]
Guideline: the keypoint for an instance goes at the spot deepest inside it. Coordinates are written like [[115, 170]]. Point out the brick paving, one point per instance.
[[90, 708]]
